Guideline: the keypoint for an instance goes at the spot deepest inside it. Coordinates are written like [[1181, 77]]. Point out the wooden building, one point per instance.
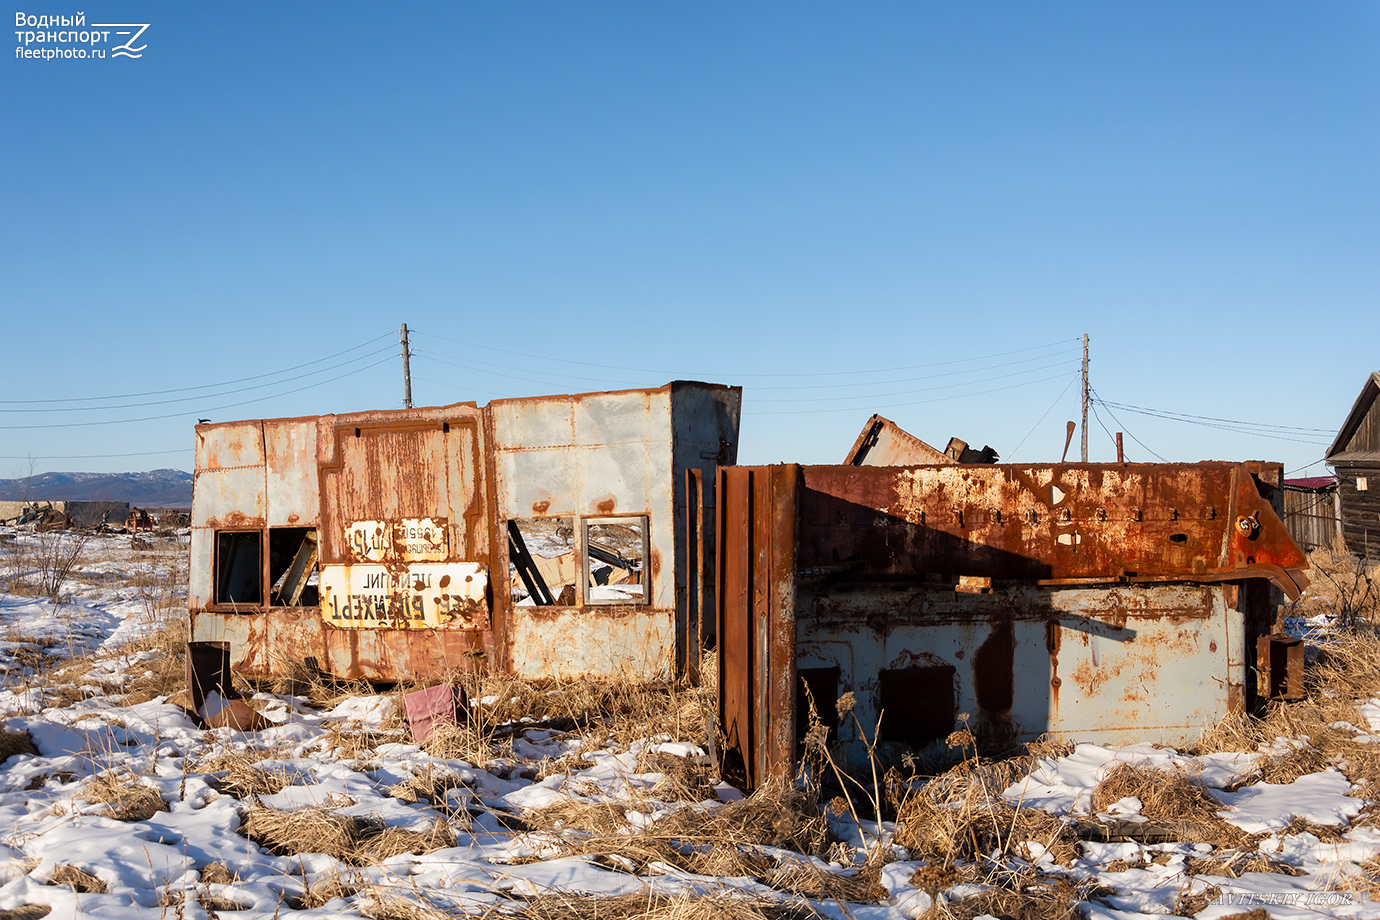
[[1355, 456], [1310, 510]]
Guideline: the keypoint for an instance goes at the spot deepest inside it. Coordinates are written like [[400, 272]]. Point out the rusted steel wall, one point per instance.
[[884, 443], [331, 474], [1098, 602], [409, 511]]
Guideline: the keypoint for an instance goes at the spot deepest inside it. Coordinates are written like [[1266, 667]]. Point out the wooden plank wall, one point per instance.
[[1311, 516]]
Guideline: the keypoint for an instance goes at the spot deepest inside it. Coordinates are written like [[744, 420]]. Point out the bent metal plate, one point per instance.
[[418, 595]]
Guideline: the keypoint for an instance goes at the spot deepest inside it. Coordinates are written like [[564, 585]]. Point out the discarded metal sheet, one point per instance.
[[884, 443], [1099, 602]]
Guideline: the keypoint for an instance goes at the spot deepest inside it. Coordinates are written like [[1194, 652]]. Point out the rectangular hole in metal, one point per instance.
[[543, 566], [918, 704], [615, 554], [238, 572], [292, 567]]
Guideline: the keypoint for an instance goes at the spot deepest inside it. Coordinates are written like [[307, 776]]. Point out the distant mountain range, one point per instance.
[[154, 489]]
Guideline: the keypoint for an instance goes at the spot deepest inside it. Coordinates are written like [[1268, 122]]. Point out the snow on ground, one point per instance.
[[157, 866]]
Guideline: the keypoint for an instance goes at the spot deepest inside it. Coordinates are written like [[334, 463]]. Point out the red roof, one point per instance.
[[1312, 482]]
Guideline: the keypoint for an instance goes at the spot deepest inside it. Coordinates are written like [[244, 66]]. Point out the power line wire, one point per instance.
[[1128, 431], [664, 372], [208, 386], [917, 402], [1196, 419], [203, 396], [153, 418], [1071, 382]]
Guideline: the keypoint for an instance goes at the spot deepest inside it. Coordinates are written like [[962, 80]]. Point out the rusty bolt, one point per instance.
[[1248, 526]]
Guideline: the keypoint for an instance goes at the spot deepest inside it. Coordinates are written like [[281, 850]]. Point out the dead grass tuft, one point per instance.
[[557, 905], [244, 778], [1189, 904], [962, 815], [26, 912], [79, 880], [13, 742], [324, 890], [1023, 895], [1171, 798], [724, 840], [356, 841], [217, 873], [125, 798]]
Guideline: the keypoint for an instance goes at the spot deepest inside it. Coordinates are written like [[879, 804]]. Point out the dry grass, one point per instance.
[[572, 906], [244, 779], [78, 880], [13, 742], [125, 798], [1022, 895], [324, 890], [352, 840], [718, 841], [217, 873], [962, 815], [1172, 798]]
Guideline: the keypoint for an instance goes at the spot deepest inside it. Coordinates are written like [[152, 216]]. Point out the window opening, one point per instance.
[[615, 555], [542, 566], [239, 576], [292, 567]]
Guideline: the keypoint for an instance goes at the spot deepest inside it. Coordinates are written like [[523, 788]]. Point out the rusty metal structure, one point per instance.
[[1103, 602], [541, 537]]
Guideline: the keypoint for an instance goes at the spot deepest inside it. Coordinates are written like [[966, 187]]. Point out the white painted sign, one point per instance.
[[407, 540], [418, 595]]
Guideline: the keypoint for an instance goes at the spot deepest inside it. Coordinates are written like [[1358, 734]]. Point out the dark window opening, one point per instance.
[[239, 575], [543, 566], [820, 686], [615, 570], [918, 704], [292, 567]]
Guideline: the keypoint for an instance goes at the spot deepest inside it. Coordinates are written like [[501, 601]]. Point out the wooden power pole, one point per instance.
[[1085, 392], [407, 379]]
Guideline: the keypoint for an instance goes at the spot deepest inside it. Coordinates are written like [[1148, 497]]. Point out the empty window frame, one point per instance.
[[542, 566], [239, 568], [292, 572], [615, 559]]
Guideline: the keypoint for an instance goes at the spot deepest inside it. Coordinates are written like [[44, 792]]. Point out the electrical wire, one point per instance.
[[1207, 420], [664, 373], [1072, 381], [208, 386], [947, 386], [1128, 431], [152, 418], [1110, 436], [918, 402], [203, 396], [142, 453]]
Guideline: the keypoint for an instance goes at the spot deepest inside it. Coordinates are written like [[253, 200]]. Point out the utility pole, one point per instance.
[[407, 379], [1085, 392]]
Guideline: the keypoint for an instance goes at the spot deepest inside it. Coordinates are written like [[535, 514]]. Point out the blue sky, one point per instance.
[[914, 209]]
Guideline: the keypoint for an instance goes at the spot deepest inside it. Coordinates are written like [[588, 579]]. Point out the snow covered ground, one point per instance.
[[128, 809]]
